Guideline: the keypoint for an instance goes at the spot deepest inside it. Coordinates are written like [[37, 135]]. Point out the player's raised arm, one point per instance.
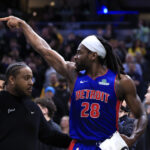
[[39, 44]]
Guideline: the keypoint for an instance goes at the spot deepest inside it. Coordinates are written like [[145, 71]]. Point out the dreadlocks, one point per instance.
[[13, 69], [111, 60]]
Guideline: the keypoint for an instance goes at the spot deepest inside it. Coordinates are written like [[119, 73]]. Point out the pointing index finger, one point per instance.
[[4, 19]]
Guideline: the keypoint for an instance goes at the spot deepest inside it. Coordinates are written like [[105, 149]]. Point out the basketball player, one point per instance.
[[98, 85]]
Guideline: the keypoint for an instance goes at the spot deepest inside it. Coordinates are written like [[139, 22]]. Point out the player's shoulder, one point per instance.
[[126, 82], [123, 86], [125, 79]]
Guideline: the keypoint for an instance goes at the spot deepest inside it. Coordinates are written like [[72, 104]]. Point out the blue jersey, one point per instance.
[[94, 108]]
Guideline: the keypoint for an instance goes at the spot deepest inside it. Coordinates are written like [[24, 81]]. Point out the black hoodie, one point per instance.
[[22, 124]]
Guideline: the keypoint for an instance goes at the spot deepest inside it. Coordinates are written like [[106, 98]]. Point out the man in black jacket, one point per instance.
[[21, 120]]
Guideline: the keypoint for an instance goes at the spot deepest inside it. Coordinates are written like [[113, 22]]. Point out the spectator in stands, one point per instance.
[[2, 80], [2, 30], [67, 52], [143, 31], [48, 109], [71, 40], [131, 59], [48, 74], [126, 124], [45, 34], [136, 77], [139, 58], [49, 92], [100, 31], [147, 96], [120, 51], [64, 124], [137, 46], [109, 33], [53, 82], [61, 100], [5, 61]]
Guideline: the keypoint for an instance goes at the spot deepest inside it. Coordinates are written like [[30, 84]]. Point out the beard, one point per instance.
[[80, 67], [21, 93]]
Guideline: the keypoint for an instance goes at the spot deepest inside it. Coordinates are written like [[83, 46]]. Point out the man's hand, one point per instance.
[[12, 22]]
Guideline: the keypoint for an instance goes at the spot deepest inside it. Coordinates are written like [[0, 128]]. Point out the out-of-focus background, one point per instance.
[[63, 24]]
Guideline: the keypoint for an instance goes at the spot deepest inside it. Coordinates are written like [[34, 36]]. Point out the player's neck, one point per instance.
[[96, 70]]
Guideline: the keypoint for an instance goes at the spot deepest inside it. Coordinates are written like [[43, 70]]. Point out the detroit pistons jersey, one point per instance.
[[94, 108]]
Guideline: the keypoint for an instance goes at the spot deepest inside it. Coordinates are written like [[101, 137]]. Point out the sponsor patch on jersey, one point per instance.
[[103, 82]]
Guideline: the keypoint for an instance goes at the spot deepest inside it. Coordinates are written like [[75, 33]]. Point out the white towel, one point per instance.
[[114, 143]]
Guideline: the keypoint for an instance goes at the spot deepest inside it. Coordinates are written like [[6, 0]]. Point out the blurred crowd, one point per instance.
[[134, 52]]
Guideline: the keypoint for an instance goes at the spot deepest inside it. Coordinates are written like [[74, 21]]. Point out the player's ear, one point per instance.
[[94, 55]]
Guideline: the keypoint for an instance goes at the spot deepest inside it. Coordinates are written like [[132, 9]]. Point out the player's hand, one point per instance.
[[129, 141], [12, 22]]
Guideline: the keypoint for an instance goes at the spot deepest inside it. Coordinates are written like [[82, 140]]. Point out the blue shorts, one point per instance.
[[77, 145]]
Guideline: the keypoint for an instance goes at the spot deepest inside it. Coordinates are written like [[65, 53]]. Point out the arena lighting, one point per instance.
[[104, 10], [34, 13], [117, 12], [52, 3]]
